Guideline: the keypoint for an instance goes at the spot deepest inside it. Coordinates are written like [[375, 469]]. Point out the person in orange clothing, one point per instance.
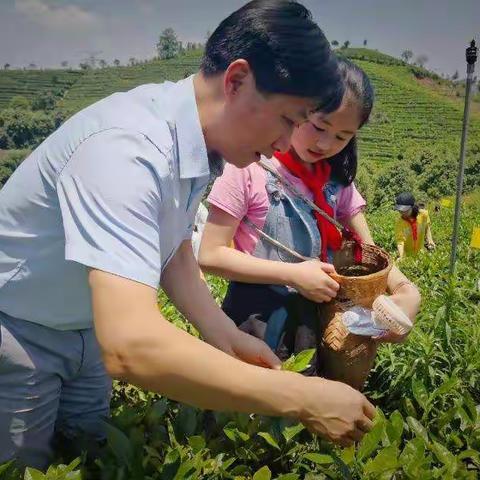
[[412, 229]]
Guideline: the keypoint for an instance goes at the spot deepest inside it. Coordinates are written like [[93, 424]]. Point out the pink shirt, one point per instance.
[[241, 192]]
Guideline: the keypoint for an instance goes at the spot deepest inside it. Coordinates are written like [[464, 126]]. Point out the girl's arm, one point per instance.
[[216, 256], [404, 293], [428, 234]]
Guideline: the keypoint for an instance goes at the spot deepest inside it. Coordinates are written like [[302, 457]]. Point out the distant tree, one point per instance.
[[6, 66], [168, 45], [455, 75], [407, 55], [421, 60], [32, 66], [103, 63], [84, 66], [132, 61], [116, 62], [335, 43], [365, 43], [44, 101], [346, 44], [64, 64]]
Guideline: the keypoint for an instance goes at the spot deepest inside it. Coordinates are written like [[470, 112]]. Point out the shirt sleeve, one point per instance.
[[110, 200], [350, 202], [232, 191]]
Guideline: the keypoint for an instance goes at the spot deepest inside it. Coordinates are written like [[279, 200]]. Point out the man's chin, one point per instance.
[[242, 162]]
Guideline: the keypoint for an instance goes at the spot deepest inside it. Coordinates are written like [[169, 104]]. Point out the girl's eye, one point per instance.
[[341, 139], [319, 129]]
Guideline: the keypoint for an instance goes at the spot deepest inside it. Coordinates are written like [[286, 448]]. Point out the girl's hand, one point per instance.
[[408, 299], [311, 279]]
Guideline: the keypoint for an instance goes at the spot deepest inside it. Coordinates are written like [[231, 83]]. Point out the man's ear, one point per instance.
[[237, 77]]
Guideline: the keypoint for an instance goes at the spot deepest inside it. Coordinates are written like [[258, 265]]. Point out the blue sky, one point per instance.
[[45, 32]]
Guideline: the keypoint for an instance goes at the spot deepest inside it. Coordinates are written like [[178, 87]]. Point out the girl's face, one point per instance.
[[407, 214], [325, 135]]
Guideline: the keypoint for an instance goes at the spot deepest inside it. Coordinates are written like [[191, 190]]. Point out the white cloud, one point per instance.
[[56, 17]]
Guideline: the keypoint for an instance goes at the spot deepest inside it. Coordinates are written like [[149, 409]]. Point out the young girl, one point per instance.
[[412, 229], [268, 286]]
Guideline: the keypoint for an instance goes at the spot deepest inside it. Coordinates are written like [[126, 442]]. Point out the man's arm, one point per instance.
[[141, 347], [183, 284]]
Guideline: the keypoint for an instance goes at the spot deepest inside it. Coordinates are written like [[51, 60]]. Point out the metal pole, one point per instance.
[[471, 56]]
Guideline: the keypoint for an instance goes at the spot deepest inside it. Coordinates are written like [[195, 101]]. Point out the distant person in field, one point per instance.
[[100, 216], [321, 164], [413, 227]]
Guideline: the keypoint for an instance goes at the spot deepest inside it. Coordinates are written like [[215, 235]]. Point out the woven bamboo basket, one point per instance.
[[363, 282], [341, 355]]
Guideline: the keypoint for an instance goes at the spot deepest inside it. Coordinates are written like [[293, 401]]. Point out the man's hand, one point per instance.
[[245, 347], [311, 279], [336, 411]]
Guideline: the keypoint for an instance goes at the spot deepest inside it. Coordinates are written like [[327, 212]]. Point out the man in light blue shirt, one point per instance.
[[100, 216]]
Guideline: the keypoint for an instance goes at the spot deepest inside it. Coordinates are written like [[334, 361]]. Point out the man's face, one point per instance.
[[255, 124]]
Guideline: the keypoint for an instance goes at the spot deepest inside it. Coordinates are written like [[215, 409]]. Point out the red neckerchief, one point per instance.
[[315, 180], [413, 226]]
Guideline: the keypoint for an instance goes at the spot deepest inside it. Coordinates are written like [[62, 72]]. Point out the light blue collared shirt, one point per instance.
[[115, 188]]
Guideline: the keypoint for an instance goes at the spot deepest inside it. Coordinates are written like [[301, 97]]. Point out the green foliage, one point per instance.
[[168, 45], [9, 162], [25, 129], [19, 102], [32, 83], [45, 101], [427, 392], [368, 55], [299, 362], [430, 172]]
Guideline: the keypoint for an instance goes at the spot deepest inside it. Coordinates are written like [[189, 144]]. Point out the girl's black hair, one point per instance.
[[359, 91], [286, 50]]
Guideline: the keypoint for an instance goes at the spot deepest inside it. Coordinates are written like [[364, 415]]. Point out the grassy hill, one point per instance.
[[411, 105], [31, 83]]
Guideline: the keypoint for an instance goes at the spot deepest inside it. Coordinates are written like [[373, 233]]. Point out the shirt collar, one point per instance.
[[192, 151]]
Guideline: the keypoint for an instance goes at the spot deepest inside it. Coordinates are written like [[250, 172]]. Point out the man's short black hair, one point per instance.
[[286, 50]]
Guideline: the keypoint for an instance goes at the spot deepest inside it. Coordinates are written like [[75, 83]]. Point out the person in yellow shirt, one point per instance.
[[412, 229]]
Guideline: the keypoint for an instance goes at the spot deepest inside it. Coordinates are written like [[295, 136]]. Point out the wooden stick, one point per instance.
[[275, 242]]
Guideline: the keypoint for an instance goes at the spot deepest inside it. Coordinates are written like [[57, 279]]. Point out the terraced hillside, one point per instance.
[[408, 111], [31, 83], [96, 84]]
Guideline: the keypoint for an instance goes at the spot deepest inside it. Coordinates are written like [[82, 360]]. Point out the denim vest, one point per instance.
[[291, 222]]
